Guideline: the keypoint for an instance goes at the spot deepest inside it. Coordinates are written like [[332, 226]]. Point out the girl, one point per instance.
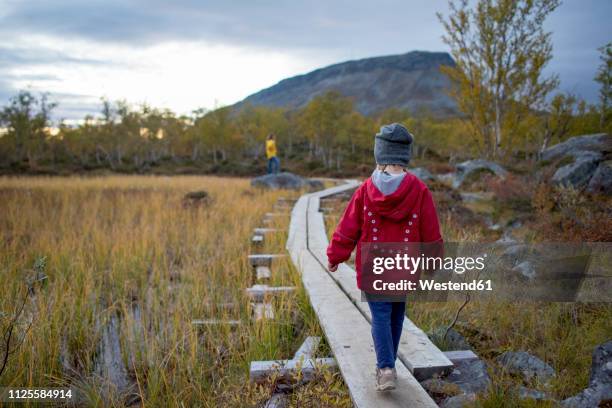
[[392, 206]]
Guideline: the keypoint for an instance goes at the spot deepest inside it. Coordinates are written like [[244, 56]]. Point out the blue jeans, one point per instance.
[[273, 165], [387, 323]]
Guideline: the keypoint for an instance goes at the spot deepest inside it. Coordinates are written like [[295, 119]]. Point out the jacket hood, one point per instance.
[[399, 204]]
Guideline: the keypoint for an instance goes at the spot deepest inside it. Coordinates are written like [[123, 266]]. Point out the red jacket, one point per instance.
[[406, 215]]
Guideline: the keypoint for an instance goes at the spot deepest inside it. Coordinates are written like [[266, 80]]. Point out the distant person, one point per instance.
[[392, 206], [273, 162]]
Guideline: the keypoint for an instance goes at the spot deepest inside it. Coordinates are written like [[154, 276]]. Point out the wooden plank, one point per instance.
[[286, 370], [308, 348], [458, 356], [276, 214], [416, 351], [261, 292], [262, 273], [286, 200], [346, 329], [208, 322], [282, 207], [262, 231], [263, 259], [262, 311], [350, 339]]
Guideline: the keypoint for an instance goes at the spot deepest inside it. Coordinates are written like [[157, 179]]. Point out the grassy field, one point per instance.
[[562, 334], [117, 267]]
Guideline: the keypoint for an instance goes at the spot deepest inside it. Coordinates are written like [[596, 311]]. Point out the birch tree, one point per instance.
[[500, 49]]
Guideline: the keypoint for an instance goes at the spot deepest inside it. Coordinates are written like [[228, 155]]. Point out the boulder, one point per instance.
[[529, 393], [597, 142], [285, 180], [528, 366], [439, 388], [579, 173], [196, 198], [526, 269], [600, 382], [601, 182], [601, 370], [473, 197], [465, 169], [590, 166], [453, 341], [422, 174], [588, 398], [459, 401], [470, 376]]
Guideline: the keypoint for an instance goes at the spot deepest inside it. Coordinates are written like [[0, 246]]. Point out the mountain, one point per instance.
[[410, 81]]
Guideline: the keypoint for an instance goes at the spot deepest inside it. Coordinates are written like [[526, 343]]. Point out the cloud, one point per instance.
[[20, 56], [311, 24], [193, 52]]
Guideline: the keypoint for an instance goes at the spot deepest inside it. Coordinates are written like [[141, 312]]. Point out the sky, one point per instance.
[[188, 54]]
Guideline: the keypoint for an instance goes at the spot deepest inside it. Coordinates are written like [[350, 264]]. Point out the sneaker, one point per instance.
[[385, 379]]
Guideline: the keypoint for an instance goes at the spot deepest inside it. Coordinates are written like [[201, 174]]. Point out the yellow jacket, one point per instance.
[[270, 148]]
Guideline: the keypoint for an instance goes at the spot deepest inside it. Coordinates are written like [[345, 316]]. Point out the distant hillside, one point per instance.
[[410, 81]]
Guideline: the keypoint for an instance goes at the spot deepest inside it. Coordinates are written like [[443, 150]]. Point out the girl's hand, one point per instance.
[[332, 268]]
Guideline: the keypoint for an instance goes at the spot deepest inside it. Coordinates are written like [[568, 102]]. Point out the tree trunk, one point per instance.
[[545, 142], [498, 134], [195, 152]]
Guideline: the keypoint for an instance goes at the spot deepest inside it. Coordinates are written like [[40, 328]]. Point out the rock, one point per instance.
[[277, 401], [578, 173], [596, 142], [530, 393], [285, 180], [475, 197], [526, 269], [601, 182], [196, 198], [446, 178], [465, 169], [315, 185], [422, 174], [458, 401], [453, 340], [470, 376], [507, 240], [587, 152], [514, 250], [439, 387], [601, 371], [529, 367], [588, 398]]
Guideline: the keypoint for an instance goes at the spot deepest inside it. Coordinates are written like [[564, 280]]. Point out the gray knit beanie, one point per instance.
[[393, 145]]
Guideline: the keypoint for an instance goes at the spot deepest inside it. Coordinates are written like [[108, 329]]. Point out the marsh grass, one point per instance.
[[562, 334], [127, 251]]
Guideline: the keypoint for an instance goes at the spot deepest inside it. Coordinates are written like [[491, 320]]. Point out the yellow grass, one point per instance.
[[127, 248], [562, 334]]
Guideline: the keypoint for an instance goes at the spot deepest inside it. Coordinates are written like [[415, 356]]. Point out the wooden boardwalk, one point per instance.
[[345, 319]]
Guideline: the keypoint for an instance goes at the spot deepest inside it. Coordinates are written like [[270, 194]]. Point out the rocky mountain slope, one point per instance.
[[410, 81]]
